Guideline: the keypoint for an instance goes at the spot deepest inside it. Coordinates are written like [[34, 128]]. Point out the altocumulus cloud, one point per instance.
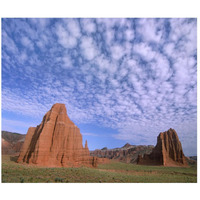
[[136, 76]]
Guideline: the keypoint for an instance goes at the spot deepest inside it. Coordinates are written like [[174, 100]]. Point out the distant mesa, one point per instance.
[[128, 153], [11, 143], [6, 147], [167, 152], [126, 145], [56, 142]]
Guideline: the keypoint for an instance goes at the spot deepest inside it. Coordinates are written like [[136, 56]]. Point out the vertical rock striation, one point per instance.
[[57, 141], [168, 151]]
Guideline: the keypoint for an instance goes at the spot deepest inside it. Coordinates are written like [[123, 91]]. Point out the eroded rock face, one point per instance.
[[11, 143], [6, 147], [168, 151], [57, 141], [128, 153]]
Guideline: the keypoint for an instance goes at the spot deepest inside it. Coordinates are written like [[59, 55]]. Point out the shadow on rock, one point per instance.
[[14, 158]]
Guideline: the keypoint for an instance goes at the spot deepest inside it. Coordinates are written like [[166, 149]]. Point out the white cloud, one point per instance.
[[169, 49], [73, 27], [88, 47], [44, 40], [151, 30], [23, 57], [109, 23], [109, 36], [182, 76], [129, 33], [67, 62], [117, 51], [88, 25], [41, 22], [9, 43], [161, 68], [145, 51], [184, 34], [106, 65], [27, 43], [64, 38]]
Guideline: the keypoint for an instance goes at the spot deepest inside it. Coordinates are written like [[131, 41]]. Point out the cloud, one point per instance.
[[109, 36], [67, 62], [151, 30], [169, 49], [88, 47], [145, 51], [40, 22], [27, 43], [8, 43], [88, 25], [136, 76], [161, 68], [64, 38], [73, 27], [129, 34], [117, 52]]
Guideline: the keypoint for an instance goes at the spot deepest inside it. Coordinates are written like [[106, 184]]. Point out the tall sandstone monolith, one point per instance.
[[167, 152], [56, 142]]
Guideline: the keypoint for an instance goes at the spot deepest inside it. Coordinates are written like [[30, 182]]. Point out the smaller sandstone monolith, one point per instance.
[[167, 152]]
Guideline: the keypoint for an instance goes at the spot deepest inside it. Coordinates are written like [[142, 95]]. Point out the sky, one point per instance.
[[122, 80]]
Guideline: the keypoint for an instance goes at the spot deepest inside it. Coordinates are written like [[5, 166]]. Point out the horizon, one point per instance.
[[122, 80], [83, 142], [112, 147]]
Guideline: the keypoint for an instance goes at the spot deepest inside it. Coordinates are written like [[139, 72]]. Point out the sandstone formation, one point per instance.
[[57, 142], [11, 143], [167, 152], [6, 147], [192, 160], [128, 153]]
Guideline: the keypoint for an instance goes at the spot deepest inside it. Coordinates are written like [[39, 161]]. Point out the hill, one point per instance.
[[128, 153], [11, 143]]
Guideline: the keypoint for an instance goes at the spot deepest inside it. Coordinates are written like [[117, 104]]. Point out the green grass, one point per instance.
[[114, 172]]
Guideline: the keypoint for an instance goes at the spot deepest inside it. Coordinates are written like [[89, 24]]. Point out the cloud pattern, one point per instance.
[[137, 76]]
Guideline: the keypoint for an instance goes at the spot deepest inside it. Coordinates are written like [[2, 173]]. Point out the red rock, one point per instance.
[[11, 143], [6, 147], [57, 141], [128, 153], [167, 152]]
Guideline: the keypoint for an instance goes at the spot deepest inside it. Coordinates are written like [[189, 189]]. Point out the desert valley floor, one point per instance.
[[113, 172]]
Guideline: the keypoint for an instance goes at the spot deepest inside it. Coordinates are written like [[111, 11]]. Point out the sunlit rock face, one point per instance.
[[57, 141], [168, 151]]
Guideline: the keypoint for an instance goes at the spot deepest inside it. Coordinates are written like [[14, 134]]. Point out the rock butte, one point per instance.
[[167, 152], [56, 142]]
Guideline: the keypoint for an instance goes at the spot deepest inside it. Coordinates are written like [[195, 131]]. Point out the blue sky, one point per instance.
[[122, 80]]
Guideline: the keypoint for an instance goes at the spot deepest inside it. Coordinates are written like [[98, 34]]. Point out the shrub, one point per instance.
[[21, 180], [58, 179]]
